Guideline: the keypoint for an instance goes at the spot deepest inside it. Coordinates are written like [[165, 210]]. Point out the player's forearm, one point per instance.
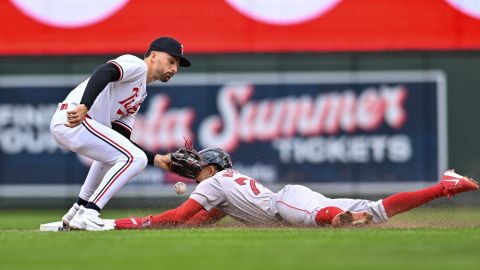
[[164, 220], [204, 218], [177, 216], [167, 219]]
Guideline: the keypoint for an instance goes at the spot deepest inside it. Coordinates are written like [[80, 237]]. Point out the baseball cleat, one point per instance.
[[89, 219], [70, 214], [454, 183], [348, 218]]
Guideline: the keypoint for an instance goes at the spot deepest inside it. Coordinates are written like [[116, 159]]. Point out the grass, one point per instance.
[[439, 238]]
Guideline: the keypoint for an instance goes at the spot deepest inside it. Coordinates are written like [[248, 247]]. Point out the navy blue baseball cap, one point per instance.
[[170, 46]]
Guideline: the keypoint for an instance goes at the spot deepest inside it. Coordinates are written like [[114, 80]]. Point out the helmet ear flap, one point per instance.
[[227, 161]]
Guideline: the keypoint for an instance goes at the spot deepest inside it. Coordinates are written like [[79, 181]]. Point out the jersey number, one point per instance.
[[253, 184]]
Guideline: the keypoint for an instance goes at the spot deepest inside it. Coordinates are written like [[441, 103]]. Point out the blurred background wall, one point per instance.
[[409, 67]]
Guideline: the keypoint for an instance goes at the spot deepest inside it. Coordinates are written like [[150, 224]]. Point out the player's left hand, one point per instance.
[[185, 162], [76, 115]]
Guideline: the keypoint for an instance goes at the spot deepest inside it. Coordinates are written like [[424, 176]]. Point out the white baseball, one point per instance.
[[180, 187]]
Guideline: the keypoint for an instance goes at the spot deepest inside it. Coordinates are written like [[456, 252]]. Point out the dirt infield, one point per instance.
[[423, 217]]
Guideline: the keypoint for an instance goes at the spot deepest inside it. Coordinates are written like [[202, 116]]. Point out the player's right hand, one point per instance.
[[133, 223], [76, 115]]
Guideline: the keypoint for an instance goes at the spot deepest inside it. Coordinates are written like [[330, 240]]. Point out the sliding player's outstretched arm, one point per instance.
[[171, 218], [205, 218]]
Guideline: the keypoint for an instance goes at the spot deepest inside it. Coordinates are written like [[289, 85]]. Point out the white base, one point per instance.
[[53, 227], [57, 226]]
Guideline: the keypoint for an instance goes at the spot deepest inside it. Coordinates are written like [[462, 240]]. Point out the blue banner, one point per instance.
[[287, 128]]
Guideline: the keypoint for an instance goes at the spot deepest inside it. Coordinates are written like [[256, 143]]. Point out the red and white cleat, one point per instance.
[[348, 218], [454, 183]]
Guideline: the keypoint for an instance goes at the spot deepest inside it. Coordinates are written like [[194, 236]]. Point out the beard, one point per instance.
[[166, 77]]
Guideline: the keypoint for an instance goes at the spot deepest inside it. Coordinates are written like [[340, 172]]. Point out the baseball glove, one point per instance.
[[186, 163]]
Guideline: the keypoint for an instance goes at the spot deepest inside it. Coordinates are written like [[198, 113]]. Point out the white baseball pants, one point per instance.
[[299, 205], [117, 160]]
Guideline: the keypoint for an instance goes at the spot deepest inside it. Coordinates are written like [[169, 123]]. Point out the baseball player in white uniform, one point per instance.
[[222, 191], [96, 120]]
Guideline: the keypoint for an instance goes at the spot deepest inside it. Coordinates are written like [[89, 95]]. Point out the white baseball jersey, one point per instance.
[[117, 159], [238, 196], [119, 101], [245, 199]]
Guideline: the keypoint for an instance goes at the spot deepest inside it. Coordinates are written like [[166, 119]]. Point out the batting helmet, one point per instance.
[[216, 156]]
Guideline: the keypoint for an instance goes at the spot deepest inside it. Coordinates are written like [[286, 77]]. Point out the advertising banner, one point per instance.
[[304, 127], [37, 27]]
